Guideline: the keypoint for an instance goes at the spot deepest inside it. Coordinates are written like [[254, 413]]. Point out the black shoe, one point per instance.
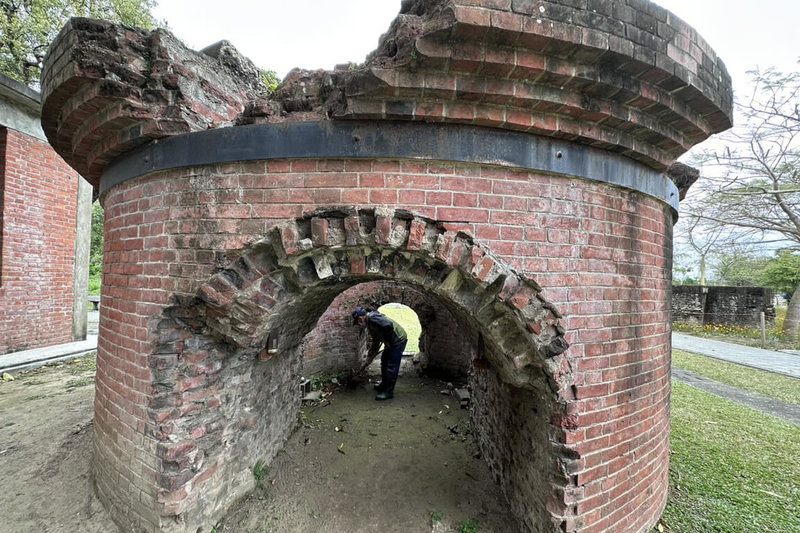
[[385, 395]]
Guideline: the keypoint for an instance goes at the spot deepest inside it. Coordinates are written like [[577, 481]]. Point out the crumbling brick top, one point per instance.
[[624, 75]]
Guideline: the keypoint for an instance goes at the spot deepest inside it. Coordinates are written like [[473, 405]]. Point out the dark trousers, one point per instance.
[[390, 365]]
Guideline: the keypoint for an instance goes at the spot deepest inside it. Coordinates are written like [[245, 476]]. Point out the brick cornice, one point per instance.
[[625, 76]]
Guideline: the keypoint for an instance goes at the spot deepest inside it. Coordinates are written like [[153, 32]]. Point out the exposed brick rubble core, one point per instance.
[[557, 285], [108, 88], [683, 176]]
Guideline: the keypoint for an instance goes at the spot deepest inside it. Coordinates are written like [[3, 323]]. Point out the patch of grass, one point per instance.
[[260, 471], [470, 525], [319, 382], [87, 363], [406, 317], [767, 384], [731, 467], [34, 382], [36, 397], [436, 516]]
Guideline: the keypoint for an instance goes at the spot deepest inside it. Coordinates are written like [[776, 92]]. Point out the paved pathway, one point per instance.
[[785, 411], [17, 361], [778, 362], [14, 362]]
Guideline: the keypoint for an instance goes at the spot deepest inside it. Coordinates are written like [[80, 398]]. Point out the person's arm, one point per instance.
[[376, 341], [374, 348]]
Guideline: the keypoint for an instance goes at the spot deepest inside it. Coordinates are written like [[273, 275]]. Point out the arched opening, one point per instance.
[[439, 347], [405, 316], [428, 441], [239, 349]]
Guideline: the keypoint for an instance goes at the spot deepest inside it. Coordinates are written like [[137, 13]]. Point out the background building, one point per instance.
[[45, 217]]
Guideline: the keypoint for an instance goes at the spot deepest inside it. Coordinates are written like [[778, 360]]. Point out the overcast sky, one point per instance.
[[282, 34]]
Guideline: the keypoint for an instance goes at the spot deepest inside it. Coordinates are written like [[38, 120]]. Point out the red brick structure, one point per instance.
[[502, 162], [39, 198]]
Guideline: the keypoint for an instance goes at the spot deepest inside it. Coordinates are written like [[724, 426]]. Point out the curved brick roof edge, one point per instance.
[[626, 76]]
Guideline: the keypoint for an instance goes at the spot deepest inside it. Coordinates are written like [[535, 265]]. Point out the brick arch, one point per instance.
[[222, 401], [253, 298]]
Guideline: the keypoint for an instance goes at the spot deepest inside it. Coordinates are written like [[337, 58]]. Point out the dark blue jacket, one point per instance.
[[383, 329]]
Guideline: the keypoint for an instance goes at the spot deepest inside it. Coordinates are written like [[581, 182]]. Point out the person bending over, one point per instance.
[[383, 330]]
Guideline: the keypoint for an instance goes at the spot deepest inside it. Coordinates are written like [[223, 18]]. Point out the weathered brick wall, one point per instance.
[[37, 248], [741, 306], [601, 254], [335, 345]]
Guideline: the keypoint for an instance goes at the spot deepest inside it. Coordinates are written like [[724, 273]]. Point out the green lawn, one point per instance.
[[767, 384], [733, 469], [407, 318]]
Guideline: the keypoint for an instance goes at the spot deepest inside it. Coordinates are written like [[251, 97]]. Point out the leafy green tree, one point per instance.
[[271, 79], [740, 269], [27, 27], [753, 182], [783, 272], [96, 249]]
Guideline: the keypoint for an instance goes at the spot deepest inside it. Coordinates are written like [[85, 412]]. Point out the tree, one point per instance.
[[703, 238], [782, 273], [754, 181], [96, 249], [740, 269], [27, 27]]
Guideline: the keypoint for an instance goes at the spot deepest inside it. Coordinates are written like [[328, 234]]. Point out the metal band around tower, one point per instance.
[[390, 140]]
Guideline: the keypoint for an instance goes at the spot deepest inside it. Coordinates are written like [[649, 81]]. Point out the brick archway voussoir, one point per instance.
[[350, 245]]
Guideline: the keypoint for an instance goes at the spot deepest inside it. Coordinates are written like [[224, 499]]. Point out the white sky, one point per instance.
[[283, 34]]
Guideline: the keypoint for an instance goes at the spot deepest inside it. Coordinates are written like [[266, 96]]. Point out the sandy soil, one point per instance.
[[352, 465], [45, 449]]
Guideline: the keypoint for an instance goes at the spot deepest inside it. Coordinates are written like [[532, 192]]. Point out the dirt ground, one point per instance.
[[45, 449], [353, 464]]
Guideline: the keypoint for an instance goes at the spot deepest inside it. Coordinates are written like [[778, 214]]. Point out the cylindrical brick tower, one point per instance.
[[501, 159]]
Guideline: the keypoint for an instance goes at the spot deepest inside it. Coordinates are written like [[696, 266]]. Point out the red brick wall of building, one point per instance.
[[38, 201]]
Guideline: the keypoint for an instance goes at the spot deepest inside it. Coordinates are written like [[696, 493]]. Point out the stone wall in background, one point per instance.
[[739, 306]]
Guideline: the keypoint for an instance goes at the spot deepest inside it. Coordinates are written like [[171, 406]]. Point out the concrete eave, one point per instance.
[[20, 108]]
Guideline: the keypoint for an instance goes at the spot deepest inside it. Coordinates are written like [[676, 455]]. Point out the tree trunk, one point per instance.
[[702, 269], [792, 322]]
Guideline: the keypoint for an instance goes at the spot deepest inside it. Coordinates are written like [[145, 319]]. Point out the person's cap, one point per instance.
[[358, 312]]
